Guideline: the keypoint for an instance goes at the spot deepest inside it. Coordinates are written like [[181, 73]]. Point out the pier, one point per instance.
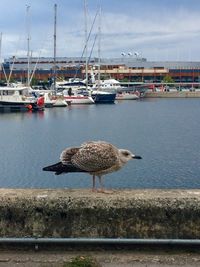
[[141, 220], [65, 213], [176, 94]]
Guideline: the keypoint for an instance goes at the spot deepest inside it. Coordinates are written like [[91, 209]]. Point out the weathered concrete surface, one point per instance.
[[82, 213], [173, 94]]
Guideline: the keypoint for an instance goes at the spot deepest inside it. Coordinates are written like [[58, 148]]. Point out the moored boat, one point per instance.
[[78, 97], [107, 85], [18, 99], [101, 97], [71, 83], [127, 96], [52, 100]]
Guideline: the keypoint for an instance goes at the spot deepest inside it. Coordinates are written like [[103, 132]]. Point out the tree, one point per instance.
[[168, 79], [34, 81]]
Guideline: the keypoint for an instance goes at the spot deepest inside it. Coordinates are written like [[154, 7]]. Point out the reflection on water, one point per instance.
[[165, 132]]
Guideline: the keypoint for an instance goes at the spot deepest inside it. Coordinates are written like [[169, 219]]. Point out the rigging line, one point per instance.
[[13, 62], [38, 58], [4, 72], [91, 28], [15, 56], [1, 63], [92, 47], [44, 42], [11, 70], [34, 69]]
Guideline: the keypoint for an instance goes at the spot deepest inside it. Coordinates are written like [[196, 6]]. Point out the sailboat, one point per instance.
[[81, 94], [14, 97], [99, 95], [55, 100], [50, 97]]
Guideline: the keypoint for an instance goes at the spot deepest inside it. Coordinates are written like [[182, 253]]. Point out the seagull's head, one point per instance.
[[126, 155]]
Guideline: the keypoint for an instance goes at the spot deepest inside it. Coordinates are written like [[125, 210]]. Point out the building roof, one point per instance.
[[46, 63]]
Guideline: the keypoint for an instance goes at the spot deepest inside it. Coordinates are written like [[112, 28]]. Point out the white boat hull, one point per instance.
[[17, 99], [126, 96], [79, 99], [54, 101], [59, 103]]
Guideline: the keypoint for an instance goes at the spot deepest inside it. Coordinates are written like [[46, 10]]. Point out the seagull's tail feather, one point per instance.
[[59, 168]]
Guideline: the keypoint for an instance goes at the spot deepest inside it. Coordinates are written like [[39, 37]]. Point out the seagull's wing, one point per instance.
[[67, 155], [95, 156], [66, 164]]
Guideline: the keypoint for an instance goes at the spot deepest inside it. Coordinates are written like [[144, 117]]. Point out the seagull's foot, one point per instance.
[[94, 190], [104, 191]]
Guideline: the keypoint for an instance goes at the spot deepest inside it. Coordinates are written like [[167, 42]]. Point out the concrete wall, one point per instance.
[[181, 94], [82, 213]]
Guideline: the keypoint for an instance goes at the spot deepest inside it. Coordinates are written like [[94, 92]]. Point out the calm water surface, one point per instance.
[[165, 132]]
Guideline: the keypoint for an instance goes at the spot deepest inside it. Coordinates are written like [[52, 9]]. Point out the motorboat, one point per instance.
[[77, 96], [79, 99], [54, 100], [74, 91], [51, 99], [103, 91], [74, 83], [18, 98], [123, 95], [107, 85], [113, 86], [103, 97]]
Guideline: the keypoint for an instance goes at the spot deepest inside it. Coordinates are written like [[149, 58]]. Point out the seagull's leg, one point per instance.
[[102, 190], [101, 184], [93, 183]]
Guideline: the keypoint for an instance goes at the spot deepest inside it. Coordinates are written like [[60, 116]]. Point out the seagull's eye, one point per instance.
[[126, 153]]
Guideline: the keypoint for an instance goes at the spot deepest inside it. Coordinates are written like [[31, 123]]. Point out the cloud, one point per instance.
[[144, 26], [126, 32]]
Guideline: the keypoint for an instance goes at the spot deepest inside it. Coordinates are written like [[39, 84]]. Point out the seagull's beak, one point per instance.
[[136, 157]]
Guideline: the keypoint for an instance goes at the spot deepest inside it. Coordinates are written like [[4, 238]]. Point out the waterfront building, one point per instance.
[[128, 69]]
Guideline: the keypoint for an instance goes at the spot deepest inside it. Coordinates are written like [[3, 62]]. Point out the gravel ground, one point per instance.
[[107, 258]]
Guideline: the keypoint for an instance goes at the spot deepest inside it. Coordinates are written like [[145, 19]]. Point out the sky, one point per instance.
[[156, 29]]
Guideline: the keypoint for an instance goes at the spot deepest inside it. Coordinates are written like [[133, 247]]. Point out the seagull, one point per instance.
[[94, 157]]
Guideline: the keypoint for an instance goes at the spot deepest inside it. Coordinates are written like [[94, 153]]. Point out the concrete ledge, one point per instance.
[[176, 94], [81, 213]]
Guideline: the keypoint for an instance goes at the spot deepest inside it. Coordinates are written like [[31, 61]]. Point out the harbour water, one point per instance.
[[165, 132]]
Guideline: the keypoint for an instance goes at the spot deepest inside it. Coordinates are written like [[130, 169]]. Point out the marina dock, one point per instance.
[[173, 94]]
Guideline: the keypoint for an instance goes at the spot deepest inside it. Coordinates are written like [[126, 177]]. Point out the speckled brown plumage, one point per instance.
[[95, 157]]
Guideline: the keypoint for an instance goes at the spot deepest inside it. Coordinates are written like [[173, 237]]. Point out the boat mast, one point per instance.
[[28, 45], [86, 45], [0, 50], [54, 67], [99, 47], [1, 61]]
